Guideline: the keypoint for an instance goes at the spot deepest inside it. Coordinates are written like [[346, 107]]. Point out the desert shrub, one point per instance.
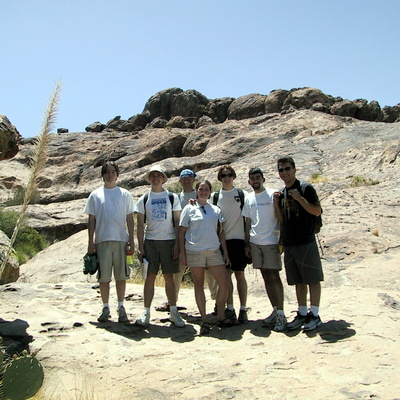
[[19, 195], [28, 241], [361, 181]]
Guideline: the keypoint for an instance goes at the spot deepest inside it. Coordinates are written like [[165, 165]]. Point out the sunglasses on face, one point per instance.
[[284, 169], [226, 175]]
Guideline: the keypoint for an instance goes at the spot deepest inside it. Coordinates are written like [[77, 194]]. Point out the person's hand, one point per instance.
[[227, 260], [192, 202], [277, 195], [91, 248], [295, 194], [175, 252], [140, 256], [248, 251]]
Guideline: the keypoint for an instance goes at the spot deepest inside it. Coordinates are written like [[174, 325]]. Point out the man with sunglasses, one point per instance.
[[296, 206]]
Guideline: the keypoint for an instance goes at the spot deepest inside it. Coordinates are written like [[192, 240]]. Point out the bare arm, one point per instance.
[[314, 209], [223, 245], [175, 251], [140, 236], [182, 252], [91, 230], [247, 237], [278, 211], [131, 230]]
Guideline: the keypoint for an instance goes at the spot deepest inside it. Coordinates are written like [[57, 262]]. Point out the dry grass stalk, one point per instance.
[[38, 163]]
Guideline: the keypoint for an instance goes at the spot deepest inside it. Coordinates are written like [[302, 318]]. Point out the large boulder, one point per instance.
[[217, 109], [9, 139], [275, 100], [305, 98], [11, 270], [391, 114], [368, 111], [189, 103], [95, 127], [252, 105], [159, 105], [344, 108]]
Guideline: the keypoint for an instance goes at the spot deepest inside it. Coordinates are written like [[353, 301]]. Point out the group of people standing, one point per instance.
[[215, 234]]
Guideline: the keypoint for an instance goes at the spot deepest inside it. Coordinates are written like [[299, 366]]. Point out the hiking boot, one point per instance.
[[122, 317], [297, 323], [231, 314], [105, 314], [243, 317], [271, 319], [312, 322], [144, 319], [176, 319], [281, 323]]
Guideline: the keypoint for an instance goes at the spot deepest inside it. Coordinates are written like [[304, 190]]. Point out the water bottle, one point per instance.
[[129, 255]]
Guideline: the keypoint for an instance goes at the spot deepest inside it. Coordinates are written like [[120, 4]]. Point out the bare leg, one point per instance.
[[149, 289], [241, 287], [105, 291], [198, 280], [301, 294], [170, 289], [230, 286], [212, 284], [274, 287], [315, 293], [178, 280], [120, 287], [219, 273]]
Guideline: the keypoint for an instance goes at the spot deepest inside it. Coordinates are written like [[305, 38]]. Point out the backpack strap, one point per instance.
[[215, 198], [241, 197], [171, 200]]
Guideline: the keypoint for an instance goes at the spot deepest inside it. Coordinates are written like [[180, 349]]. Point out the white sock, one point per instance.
[[280, 312], [173, 308], [230, 307], [106, 305], [303, 310], [147, 309], [120, 303], [243, 308], [314, 310]]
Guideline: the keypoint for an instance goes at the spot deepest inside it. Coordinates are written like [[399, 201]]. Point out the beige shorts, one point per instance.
[[112, 257], [206, 258], [266, 256]]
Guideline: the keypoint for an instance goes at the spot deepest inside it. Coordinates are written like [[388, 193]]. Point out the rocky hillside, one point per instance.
[[353, 163]]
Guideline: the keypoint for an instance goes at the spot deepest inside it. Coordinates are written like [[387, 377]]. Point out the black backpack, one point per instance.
[[171, 200]]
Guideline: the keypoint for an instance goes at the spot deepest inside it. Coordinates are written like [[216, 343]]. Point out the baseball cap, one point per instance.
[[156, 168], [187, 173]]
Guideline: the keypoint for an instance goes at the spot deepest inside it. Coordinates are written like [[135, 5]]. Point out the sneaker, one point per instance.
[[231, 314], [281, 323], [243, 317], [271, 320], [144, 319], [176, 319], [312, 322], [122, 317], [105, 314], [297, 323]]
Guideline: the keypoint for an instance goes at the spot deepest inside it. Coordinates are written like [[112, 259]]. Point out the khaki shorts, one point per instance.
[[206, 258], [112, 258], [266, 256]]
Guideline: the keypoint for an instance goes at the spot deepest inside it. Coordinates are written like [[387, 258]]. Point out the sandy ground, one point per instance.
[[355, 354]]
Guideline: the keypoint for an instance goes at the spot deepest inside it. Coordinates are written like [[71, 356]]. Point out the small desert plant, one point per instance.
[[19, 196], [174, 187], [317, 177], [361, 181], [28, 241]]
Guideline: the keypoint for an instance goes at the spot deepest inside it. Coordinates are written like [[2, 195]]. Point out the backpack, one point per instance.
[[171, 200], [317, 220], [241, 197]]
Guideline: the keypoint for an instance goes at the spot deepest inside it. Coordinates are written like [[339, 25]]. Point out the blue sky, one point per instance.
[[111, 56]]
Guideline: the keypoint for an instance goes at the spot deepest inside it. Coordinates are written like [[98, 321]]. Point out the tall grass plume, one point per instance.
[[37, 164]]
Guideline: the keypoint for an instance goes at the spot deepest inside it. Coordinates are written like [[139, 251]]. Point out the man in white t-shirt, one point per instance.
[[158, 241], [111, 229], [262, 244]]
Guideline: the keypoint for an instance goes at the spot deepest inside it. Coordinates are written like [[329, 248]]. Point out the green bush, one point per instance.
[[28, 241]]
